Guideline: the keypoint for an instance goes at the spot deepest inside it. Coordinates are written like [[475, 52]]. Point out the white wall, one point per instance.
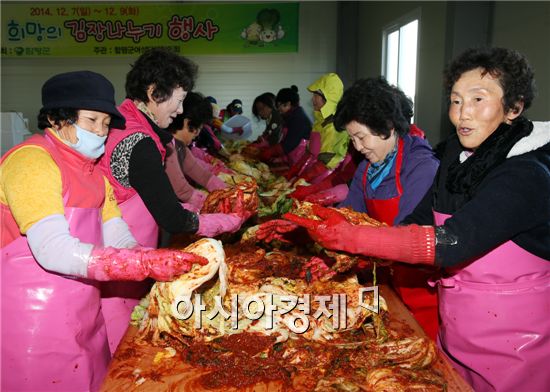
[[224, 77], [525, 27], [521, 25], [374, 18]]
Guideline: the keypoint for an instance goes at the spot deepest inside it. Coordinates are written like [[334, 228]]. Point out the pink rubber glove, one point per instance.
[[106, 264], [296, 154], [215, 183], [196, 200], [329, 196], [314, 145], [411, 244], [211, 225], [190, 207]]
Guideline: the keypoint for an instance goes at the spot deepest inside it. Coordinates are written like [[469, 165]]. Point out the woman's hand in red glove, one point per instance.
[[301, 192], [271, 152], [329, 196], [331, 232], [316, 269], [275, 230], [317, 169], [411, 244]]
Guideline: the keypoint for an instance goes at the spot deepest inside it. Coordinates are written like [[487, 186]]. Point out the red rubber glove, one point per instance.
[[298, 166], [301, 191], [274, 230], [314, 171], [271, 152], [329, 196], [106, 264], [237, 206], [411, 244], [316, 269]]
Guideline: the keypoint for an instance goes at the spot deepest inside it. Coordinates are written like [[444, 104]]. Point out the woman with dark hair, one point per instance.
[[485, 222], [264, 108], [296, 127], [133, 162], [180, 162], [396, 166], [156, 87], [62, 234], [207, 140], [396, 172]]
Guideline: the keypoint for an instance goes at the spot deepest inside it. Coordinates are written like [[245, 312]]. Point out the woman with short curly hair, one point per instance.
[[397, 171], [156, 87], [133, 162], [485, 223]]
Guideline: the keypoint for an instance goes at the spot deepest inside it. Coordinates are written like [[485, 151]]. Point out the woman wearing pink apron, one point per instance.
[[486, 224], [181, 164], [133, 163], [52, 323], [61, 234]]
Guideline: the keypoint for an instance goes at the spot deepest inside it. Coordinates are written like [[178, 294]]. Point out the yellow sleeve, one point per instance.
[[334, 142], [30, 184], [110, 207]]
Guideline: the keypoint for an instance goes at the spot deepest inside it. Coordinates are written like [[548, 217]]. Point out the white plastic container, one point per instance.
[[14, 129], [238, 120]]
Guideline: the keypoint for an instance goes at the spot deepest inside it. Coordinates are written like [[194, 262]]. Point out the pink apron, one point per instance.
[[297, 153], [53, 332], [409, 281], [134, 212], [495, 319], [119, 298]]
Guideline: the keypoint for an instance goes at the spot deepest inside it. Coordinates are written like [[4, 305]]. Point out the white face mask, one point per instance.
[[89, 144]]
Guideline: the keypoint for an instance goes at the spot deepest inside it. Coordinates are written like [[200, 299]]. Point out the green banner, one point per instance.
[[106, 29]]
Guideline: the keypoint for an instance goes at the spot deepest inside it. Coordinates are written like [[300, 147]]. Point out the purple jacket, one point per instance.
[[417, 173]]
